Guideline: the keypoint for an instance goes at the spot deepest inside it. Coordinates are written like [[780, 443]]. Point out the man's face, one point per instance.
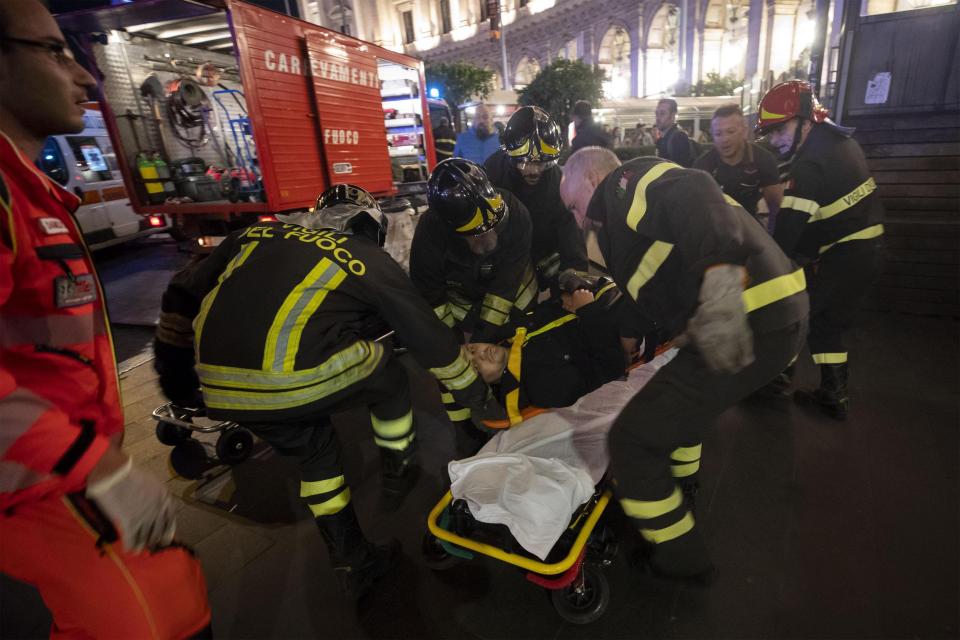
[[482, 244], [40, 90], [482, 121], [781, 136], [576, 192], [664, 116], [532, 171], [729, 135], [489, 359]]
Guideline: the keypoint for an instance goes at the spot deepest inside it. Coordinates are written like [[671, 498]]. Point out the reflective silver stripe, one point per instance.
[[652, 260], [52, 330], [339, 363], [20, 410], [840, 205], [283, 339], [15, 476], [810, 207]]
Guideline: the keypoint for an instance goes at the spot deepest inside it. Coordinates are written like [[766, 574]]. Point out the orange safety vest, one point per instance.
[[59, 392]]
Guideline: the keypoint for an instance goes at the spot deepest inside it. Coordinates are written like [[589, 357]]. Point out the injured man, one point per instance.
[[533, 476]]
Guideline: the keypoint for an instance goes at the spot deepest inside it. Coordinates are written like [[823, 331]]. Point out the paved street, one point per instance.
[[819, 529]]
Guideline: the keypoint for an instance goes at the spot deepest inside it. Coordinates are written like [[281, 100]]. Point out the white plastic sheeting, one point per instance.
[[533, 477]]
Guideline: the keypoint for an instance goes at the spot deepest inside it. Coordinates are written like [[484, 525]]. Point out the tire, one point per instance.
[[435, 556], [171, 434], [584, 603], [189, 459], [234, 445]]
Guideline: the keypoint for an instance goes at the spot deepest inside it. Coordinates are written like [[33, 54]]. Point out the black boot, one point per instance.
[[775, 390], [357, 563], [399, 474], [831, 396]]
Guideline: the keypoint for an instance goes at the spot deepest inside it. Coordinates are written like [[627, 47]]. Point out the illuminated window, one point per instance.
[[408, 33]]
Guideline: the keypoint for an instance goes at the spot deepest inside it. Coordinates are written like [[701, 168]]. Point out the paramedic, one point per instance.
[[830, 221], [302, 352], [91, 532], [710, 275], [526, 166]]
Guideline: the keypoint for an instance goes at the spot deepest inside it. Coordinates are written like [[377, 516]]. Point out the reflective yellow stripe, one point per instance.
[[497, 303], [684, 470], [459, 312], [639, 207], [395, 428], [475, 222], [864, 234], [772, 290], [395, 444], [528, 289], [495, 309], [319, 487], [803, 205], [283, 339], [603, 290], [232, 266], [459, 415], [446, 398], [546, 148], [851, 199], [457, 375], [521, 150], [562, 320], [514, 366], [686, 454], [331, 506], [731, 201], [446, 141], [444, 314], [829, 358], [657, 536], [655, 256], [647, 509]]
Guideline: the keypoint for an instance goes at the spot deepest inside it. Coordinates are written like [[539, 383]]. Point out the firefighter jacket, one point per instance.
[[555, 231], [59, 396], [556, 357], [662, 226], [282, 320], [444, 140], [477, 293], [830, 199]]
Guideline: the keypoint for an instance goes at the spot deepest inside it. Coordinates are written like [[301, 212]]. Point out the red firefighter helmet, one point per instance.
[[788, 100]]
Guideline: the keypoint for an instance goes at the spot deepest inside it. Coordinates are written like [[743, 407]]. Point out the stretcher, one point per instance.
[[534, 497]]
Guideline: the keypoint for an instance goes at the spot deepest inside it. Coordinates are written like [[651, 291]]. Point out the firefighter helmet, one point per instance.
[[788, 100], [347, 207], [462, 195], [532, 136]]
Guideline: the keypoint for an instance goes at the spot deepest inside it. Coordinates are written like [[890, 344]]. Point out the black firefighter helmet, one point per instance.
[[462, 195], [532, 136], [361, 214]]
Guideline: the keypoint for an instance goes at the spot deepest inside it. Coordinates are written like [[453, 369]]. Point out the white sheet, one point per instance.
[[534, 476]]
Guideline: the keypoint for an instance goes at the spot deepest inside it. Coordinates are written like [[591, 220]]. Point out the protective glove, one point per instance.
[[719, 327], [138, 505], [571, 280]]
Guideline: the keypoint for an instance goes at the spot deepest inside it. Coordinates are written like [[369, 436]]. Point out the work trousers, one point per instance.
[[313, 442], [837, 284], [667, 416], [95, 588]]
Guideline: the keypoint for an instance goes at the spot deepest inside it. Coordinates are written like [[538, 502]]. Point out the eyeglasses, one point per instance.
[[60, 52], [540, 167]]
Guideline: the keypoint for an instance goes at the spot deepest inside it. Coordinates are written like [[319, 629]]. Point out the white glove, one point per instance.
[[138, 505], [719, 327]]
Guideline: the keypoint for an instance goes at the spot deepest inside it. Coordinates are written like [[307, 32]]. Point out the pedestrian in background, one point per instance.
[[78, 521], [480, 141], [673, 144], [587, 133]]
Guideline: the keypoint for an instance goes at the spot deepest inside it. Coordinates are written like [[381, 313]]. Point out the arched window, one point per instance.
[[614, 59], [663, 48], [569, 50], [527, 70]]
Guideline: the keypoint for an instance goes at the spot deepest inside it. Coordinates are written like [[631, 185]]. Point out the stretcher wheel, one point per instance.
[[171, 434], [234, 445], [435, 556], [585, 599], [189, 459]]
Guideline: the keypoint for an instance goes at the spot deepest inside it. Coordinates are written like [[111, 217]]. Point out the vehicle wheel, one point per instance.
[[171, 434], [435, 556], [189, 459], [234, 445], [585, 599]]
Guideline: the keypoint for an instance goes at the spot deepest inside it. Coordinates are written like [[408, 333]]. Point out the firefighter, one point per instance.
[[78, 521], [281, 317], [444, 139], [830, 221], [470, 259], [712, 277], [526, 165]]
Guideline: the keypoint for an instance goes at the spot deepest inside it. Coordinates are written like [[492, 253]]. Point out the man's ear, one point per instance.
[[593, 179]]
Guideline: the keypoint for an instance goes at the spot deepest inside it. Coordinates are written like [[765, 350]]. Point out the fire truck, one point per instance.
[[221, 112]]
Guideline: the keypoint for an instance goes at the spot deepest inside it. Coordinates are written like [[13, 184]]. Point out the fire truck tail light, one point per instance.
[[266, 218], [156, 221]]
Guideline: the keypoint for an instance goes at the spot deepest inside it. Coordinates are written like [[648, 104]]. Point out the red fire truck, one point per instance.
[[221, 112]]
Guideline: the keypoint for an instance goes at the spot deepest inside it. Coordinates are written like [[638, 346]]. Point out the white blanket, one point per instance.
[[534, 476]]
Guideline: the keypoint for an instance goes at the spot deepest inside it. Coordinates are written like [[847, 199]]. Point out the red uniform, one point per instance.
[[60, 408]]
